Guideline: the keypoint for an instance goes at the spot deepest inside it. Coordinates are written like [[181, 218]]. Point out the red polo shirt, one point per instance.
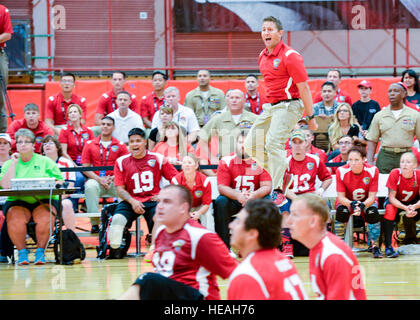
[[5, 23], [282, 69], [56, 107], [341, 96], [108, 103], [93, 155], [40, 132], [256, 102], [149, 105], [75, 141], [201, 191]]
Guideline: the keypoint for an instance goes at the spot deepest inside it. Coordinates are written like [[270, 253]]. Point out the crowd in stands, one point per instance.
[[210, 128]]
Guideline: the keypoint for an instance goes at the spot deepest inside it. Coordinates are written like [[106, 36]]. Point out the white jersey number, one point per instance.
[[164, 263], [292, 285], [143, 182], [300, 183], [407, 194], [245, 181], [359, 194]]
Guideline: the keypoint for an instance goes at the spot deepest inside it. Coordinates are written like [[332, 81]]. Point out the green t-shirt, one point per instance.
[[38, 167]]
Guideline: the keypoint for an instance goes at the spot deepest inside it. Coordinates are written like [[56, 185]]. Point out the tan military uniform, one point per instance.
[[396, 135], [205, 107], [224, 127]]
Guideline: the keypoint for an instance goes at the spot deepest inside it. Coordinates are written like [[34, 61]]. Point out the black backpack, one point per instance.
[[104, 250], [72, 248]]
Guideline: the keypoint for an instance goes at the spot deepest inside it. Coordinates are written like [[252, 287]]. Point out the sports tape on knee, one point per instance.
[[116, 230]]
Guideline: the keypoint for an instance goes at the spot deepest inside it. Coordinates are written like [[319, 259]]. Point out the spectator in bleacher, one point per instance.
[[51, 148], [239, 179], [344, 123], [365, 109], [411, 79], [6, 246], [395, 126], [403, 200], [328, 105], [101, 151], [357, 186], [137, 178], [304, 169], [345, 143], [166, 114], [21, 210], [173, 144], [310, 148], [125, 118], [73, 138], [5, 147], [226, 127], [32, 122], [254, 99], [333, 268], [205, 99], [182, 115], [56, 107], [107, 102], [334, 76], [151, 103]]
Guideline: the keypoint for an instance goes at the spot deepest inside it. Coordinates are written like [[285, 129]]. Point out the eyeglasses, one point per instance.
[[342, 143], [343, 110], [67, 81], [24, 142], [48, 143]]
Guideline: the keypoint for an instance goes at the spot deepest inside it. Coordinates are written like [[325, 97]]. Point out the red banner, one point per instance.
[[247, 15]]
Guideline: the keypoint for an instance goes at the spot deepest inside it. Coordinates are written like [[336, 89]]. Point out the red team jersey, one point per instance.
[[340, 97], [255, 102], [201, 192], [266, 274], [357, 187], [240, 174], [5, 23], [337, 159], [141, 177], [305, 173], [107, 103], [95, 154], [149, 105], [75, 141], [334, 271], [282, 69], [56, 108], [194, 256], [407, 189]]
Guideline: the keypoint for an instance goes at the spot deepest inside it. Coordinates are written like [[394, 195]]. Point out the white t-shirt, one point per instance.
[[184, 116], [124, 125]]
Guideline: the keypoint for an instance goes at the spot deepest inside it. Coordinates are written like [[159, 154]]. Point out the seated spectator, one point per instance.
[[357, 186], [31, 121], [107, 102], [345, 143], [328, 105], [184, 116], [303, 170], [239, 179], [411, 79], [343, 124], [254, 99], [73, 138], [125, 119], [101, 151], [403, 200], [365, 108], [51, 148], [56, 108], [226, 127], [152, 103], [5, 147], [205, 99], [6, 246], [166, 114], [197, 183], [20, 211], [334, 76], [173, 144], [310, 148]]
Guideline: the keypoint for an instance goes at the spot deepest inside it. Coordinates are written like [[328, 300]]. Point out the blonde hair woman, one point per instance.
[[344, 123]]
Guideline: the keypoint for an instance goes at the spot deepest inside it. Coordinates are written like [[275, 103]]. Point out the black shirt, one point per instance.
[[364, 112], [415, 99]]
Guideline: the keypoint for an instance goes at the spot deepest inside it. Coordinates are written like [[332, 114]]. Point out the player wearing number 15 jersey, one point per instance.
[[239, 179], [265, 273], [136, 177]]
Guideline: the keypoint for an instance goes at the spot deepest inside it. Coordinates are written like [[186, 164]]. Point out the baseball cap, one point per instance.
[[6, 137], [298, 134], [365, 83]]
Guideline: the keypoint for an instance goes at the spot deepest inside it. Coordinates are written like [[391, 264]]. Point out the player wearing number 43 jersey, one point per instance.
[[334, 270], [187, 257], [136, 178], [265, 273]]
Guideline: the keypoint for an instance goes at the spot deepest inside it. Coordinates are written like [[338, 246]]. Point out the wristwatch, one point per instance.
[[309, 118]]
